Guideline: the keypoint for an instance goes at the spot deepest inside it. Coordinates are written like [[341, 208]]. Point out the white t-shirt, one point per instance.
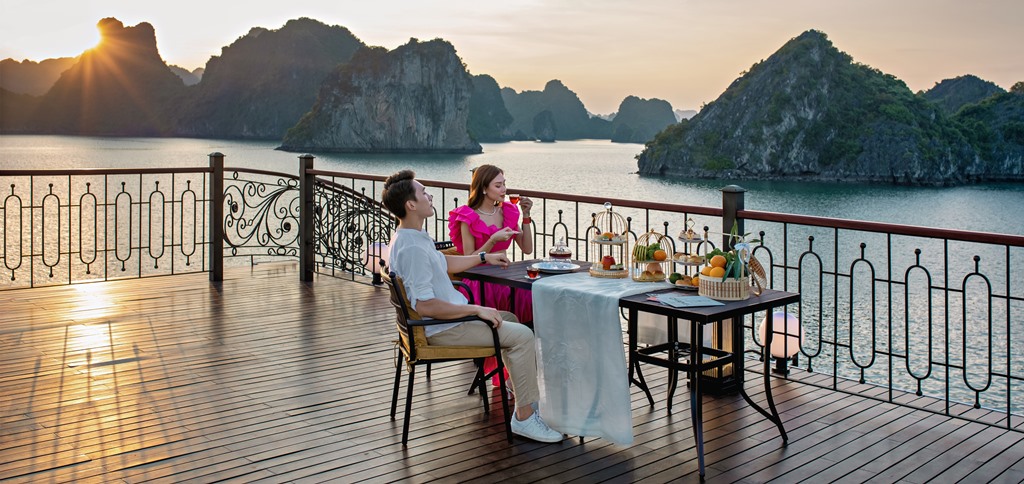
[[424, 270]]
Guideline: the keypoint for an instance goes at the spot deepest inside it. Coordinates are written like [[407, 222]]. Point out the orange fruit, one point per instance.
[[660, 255], [717, 272], [718, 261], [695, 280], [705, 271]]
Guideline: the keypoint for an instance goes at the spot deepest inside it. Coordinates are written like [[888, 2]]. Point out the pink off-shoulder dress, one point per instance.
[[497, 296]]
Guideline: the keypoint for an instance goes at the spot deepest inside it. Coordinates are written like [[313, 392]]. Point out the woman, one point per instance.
[[487, 223]]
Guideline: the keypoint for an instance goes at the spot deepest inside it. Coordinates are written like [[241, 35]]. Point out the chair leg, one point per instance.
[[394, 394], [504, 399], [428, 371], [408, 407], [478, 379]]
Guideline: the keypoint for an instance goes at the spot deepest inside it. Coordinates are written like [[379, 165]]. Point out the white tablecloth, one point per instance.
[[581, 360]]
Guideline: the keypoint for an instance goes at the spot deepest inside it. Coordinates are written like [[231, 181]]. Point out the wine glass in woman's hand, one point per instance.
[[525, 204]]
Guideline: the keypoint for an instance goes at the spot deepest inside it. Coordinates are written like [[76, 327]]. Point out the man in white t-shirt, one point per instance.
[[425, 271]]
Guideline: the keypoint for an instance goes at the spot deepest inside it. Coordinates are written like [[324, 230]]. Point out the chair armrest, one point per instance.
[[444, 244], [463, 285], [431, 322]]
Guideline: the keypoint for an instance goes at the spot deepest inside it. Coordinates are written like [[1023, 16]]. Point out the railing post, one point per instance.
[[732, 202], [725, 380], [216, 197], [306, 217]]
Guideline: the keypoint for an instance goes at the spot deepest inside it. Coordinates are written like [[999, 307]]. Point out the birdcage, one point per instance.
[[609, 244], [650, 257]]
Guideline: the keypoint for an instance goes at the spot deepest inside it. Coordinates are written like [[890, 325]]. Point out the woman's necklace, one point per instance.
[[492, 212]]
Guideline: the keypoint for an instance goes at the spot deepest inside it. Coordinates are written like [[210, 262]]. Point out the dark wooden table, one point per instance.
[[513, 276], [673, 354], [668, 355]]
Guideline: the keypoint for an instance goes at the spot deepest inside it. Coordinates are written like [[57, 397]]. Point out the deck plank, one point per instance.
[[262, 378]]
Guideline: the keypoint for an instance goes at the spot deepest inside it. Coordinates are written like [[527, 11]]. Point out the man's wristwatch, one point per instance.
[[483, 257]]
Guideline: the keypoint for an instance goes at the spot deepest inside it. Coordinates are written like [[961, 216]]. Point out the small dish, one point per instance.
[[685, 288], [527, 277], [554, 267]]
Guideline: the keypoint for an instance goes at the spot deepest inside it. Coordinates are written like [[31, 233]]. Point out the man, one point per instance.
[[425, 272]]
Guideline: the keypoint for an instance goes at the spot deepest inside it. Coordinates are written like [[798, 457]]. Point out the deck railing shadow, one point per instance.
[[931, 311]]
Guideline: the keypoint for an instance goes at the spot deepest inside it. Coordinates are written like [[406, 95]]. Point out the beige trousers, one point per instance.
[[518, 352]]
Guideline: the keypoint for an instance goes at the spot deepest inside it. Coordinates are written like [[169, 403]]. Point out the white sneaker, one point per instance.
[[534, 428]]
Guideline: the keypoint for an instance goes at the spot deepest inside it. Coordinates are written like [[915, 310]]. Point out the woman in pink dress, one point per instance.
[[487, 223]]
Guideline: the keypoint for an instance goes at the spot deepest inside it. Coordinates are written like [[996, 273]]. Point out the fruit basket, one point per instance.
[[726, 277], [609, 244], [651, 258]]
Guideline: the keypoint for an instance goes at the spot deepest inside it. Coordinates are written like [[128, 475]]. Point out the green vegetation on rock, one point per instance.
[[809, 111]]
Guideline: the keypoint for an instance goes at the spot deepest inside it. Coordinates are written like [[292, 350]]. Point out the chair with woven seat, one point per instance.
[[416, 350]]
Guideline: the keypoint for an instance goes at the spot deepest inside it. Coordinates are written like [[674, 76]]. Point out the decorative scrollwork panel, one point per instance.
[[261, 218], [346, 225]]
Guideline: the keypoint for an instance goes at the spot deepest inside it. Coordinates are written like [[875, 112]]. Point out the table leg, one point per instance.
[[696, 401], [773, 415], [633, 362], [673, 356]]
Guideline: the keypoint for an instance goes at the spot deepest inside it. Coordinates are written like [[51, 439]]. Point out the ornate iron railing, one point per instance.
[[261, 214], [928, 311], [350, 230], [67, 226], [906, 309]]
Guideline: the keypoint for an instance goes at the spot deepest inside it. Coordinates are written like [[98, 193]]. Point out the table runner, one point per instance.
[[581, 360]]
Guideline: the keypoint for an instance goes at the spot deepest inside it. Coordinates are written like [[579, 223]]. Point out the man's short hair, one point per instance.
[[398, 189]]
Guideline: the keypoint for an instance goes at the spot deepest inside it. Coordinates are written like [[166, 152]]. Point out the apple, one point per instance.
[[607, 262]]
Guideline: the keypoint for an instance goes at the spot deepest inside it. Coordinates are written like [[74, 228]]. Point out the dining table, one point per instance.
[[695, 359], [583, 372], [583, 382]]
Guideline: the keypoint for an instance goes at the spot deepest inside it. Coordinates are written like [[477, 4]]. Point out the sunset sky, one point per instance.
[[686, 52]]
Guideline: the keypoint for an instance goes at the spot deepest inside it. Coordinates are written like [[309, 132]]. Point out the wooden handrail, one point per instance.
[[618, 202], [881, 227], [105, 171]]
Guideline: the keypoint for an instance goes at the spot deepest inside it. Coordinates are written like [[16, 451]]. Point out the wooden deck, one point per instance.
[[263, 378]]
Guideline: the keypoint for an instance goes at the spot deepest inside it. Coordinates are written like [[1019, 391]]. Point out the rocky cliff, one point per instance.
[[489, 121], [263, 83], [809, 111], [34, 78], [412, 99], [568, 115], [638, 120], [15, 111], [953, 94], [995, 127], [121, 87], [190, 78]]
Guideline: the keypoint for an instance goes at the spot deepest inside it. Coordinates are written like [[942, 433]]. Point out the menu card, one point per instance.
[[678, 301]]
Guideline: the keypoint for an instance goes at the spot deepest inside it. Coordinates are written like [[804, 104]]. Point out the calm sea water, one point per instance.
[[587, 167]]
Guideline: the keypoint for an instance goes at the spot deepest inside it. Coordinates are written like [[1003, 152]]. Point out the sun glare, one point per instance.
[[93, 302], [95, 39], [91, 337]]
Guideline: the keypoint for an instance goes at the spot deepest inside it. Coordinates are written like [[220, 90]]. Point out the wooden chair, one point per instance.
[[416, 350]]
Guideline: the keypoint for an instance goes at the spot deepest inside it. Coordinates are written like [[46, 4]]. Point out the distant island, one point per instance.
[[259, 87], [807, 112], [810, 112]]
